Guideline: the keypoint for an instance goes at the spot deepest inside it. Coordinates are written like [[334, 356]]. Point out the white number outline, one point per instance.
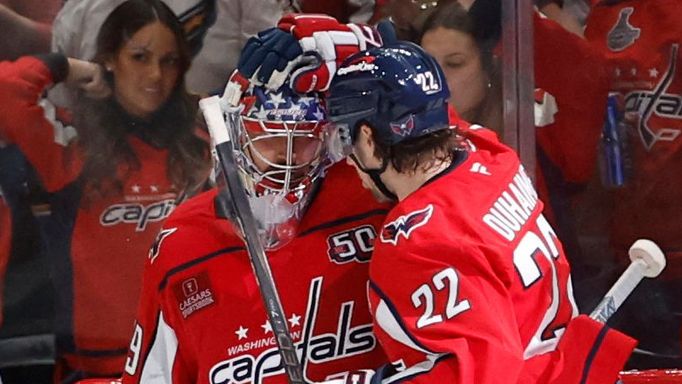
[[353, 240], [452, 308], [427, 82], [365, 245], [345, 240], [135, 347], [529, 272]]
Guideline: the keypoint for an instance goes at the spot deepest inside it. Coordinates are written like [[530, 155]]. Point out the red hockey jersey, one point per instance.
[[641, 41], [201, 317], [468, 281], [97, 249]]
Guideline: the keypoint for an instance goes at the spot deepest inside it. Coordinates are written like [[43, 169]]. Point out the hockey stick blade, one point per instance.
[[247, 224], [647, 260]]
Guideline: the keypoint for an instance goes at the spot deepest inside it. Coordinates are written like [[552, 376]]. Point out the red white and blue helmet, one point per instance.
[[280, 193], [282, 114]]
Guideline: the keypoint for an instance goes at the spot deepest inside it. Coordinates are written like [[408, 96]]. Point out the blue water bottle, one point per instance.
[[615, 159]]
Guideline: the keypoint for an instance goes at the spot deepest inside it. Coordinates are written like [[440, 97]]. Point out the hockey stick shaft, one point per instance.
[[620, 291], [647, 260], [247, 223]]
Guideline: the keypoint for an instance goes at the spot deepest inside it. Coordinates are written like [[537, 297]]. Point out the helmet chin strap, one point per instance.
[[375, 175]]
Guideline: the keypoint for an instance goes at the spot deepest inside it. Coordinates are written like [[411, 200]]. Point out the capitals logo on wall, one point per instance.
[[404, 225]]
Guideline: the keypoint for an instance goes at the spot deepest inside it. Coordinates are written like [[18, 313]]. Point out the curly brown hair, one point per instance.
[[420, 153]]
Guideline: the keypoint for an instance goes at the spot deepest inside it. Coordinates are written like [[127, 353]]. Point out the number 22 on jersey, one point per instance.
[[535, 246]]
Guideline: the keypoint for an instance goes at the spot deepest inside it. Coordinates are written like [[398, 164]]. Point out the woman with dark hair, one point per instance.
[[131, 155], [464, 51]]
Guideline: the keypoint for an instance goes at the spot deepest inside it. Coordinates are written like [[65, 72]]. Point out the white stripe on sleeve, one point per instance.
[[158, 366]]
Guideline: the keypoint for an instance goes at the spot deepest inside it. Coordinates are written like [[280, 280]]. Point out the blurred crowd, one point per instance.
[[100, 139]]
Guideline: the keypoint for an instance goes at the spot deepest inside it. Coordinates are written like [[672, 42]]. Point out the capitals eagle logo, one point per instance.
[[403, 127], [404, 225]]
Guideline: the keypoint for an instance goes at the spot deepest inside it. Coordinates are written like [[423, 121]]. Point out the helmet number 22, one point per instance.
[[427, 82]]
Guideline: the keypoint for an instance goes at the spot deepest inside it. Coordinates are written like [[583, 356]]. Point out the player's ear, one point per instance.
[[367, 144], [366, 136]]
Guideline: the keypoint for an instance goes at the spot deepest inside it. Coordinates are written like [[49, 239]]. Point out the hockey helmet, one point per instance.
[[398, 89]]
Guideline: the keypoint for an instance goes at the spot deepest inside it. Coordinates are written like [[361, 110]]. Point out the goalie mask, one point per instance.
[[277, 139]]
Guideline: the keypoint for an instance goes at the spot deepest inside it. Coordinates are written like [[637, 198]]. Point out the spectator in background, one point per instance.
[[409, 16], [568, 109], [641, 43], [216, 31], [558, 11], [465, 52], [579, 9], [132, 156], [25, 26], [236, 21], [26, 302], [26, 332], [346, 11]]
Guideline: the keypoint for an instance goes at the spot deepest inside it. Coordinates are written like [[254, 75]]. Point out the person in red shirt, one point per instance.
[[467, 279], [640, 41], [116, 167], [26, 26]]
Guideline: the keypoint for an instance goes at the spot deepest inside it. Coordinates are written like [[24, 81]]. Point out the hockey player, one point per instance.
[[201, 317], [468, 281]]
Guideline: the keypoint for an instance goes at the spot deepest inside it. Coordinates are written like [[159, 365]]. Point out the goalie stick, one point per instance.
[[237, 204], [647, 260]]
